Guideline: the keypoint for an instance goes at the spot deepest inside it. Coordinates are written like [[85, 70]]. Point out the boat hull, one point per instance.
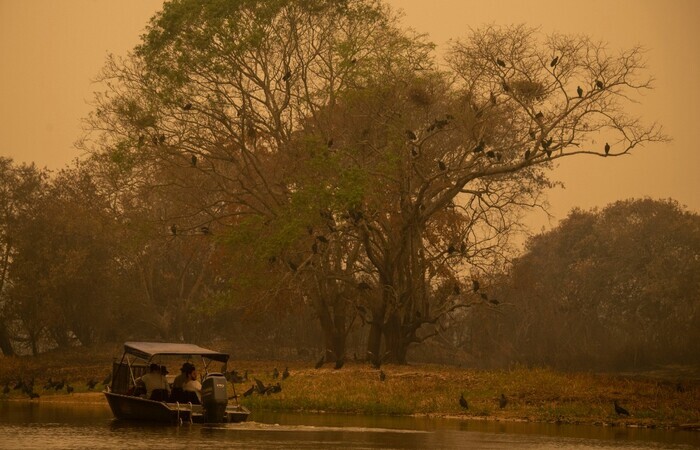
[[127, 407]]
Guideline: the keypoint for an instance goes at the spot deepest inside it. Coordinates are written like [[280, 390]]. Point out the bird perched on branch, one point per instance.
[[607, 149], [554, 62], [579, 91]]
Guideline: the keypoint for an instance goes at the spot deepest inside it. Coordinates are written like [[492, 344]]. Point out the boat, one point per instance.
[[126, 404]]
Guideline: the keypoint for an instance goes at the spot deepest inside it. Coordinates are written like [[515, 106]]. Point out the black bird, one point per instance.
[[292, 266], [161, 138], [451, 249], [463, 402], [492, 97], [620, 410], [204, 229], [442, 166], [275, 388], [260, 386], [539, 117], [503, 401], [382, 375], [500, 62], [58, 386], [484, 296], [533, 135], [527, 154], [49, 384], [69, 389], [275, 374], [287, 76], [579, 91], [363, 286], [607, 149], [329, 143], [91, 384], [193, 161], [490, 154], [173, 229], [187, 107], [554, 62], [493, 301], [411, 135], [505, 86], [322, 239], [599, 84], [285, 374], [480, 147], [414, 152], [249, 391], [456, 290], [475, 285], [320, 362]]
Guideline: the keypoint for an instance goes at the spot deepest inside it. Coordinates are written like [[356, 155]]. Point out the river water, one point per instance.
[[76, 426]]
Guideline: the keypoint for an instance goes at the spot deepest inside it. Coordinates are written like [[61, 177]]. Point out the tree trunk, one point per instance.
[[396, 341], [5, 343]]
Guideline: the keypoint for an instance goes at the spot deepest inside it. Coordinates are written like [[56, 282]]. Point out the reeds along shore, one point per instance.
[[530, 394]]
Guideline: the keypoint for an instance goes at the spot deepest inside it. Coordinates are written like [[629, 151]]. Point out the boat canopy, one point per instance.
[[147, 350]]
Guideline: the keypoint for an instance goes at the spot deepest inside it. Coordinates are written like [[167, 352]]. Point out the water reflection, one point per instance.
[[44, 425]]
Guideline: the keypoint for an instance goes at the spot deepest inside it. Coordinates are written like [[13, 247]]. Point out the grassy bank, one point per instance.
[[534, 394]]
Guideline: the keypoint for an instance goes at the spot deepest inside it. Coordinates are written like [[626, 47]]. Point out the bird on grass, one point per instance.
[[58, 386], [285, 373], [275, 388], [260, 386], [503, 401], [91, 384], [275, 373], [463, 402], [69, 389], [619, 410], [249, 391], [382, 375]]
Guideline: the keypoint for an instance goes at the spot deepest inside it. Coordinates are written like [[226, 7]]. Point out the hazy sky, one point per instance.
[[51, 50]]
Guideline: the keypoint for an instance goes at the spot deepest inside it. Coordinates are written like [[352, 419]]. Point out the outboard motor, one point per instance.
[[214, 398]]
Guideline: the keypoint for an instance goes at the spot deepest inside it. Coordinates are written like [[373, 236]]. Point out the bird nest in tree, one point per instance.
[[531, 90]]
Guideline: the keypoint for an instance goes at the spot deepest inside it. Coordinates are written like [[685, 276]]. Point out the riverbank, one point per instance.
[[532, 394]]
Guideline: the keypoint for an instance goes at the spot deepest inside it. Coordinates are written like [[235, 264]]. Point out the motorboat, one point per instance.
[[127, 403]]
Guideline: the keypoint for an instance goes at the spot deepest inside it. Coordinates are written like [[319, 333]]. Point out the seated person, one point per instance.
[[178, 394], [154, 380], [192, 387]]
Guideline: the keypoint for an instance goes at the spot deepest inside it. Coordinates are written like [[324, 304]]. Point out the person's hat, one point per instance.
[[186, 367], [154, 367]]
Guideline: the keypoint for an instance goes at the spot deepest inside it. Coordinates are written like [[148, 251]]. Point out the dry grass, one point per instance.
[[534, 394]]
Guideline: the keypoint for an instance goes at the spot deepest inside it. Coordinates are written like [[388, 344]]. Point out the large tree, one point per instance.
[[621, 288], [374, 178]]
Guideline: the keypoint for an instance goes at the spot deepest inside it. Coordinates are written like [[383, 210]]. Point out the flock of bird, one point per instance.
[[28, 386]]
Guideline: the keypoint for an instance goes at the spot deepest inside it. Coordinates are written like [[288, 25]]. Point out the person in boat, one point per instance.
[[178, 393], [192, 387], [155, 383]]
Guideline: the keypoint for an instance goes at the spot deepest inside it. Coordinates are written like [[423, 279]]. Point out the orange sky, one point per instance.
[[50, 50]]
